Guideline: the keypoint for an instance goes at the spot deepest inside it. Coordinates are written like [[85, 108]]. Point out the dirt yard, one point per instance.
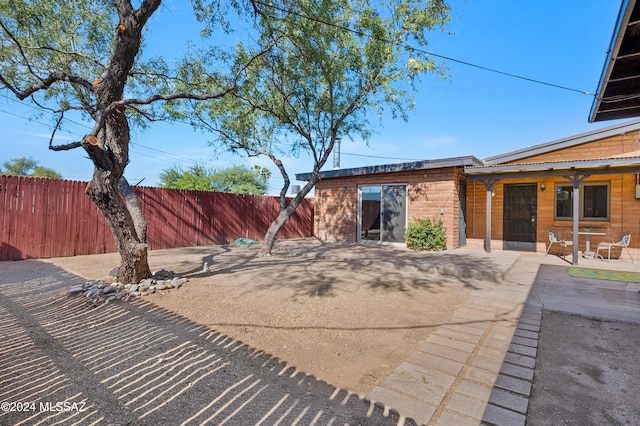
[[586, 373], [346, 323]]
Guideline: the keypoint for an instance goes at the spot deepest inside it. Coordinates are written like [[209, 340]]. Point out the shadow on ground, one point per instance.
[[139, 364]]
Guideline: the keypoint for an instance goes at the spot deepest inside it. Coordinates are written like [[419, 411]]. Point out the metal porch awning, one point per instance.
[[574, 171]]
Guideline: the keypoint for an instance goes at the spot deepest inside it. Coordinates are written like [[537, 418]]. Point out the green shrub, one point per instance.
[[423, 234]]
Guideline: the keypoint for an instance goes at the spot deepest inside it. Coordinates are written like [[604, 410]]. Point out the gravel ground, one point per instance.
[[66, 362], [345, 323]]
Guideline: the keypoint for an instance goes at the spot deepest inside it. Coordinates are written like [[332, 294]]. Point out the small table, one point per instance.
[[588, 235]]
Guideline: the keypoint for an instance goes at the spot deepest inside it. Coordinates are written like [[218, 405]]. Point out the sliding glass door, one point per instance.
[[383, 213]]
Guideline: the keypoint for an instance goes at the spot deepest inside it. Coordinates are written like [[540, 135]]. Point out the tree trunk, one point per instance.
[[135, 210], [116, 200], [109, 148], [134, 265], [285, 214], [274, 228]]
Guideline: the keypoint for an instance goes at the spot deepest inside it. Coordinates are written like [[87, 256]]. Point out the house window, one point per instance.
[[594, 201], [564, 202]]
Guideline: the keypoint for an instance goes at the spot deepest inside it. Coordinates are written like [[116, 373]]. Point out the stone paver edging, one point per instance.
[[477, 367]]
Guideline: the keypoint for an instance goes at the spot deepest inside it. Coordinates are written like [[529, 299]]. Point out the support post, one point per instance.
[[576, 180], [488, 183]]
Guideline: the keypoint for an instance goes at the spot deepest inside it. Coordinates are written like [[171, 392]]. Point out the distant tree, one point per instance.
[[234, 179], [27, 167], [241, 180], [196, 177]]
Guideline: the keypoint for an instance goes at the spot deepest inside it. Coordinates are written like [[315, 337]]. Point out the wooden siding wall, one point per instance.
[[624, 207], [428, 191], [619, 145], [42, 218]]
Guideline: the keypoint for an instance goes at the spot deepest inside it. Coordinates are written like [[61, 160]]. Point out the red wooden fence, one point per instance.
[[43, 218]]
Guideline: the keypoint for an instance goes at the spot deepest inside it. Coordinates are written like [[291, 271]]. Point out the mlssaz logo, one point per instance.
[[62, 406]]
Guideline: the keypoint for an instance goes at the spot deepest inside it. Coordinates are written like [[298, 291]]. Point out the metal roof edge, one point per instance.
[[466, 160], [626, 8], [555, 165], [568, 142]]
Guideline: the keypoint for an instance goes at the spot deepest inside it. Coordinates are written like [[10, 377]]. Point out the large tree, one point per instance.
[[331, 65], [72, 56]]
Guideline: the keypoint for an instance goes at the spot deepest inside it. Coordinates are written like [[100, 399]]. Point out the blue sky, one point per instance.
[[473, 112]]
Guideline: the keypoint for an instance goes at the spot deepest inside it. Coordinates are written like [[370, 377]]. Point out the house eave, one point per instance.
[[468, 160], [563, 143], [558, 168], [618, 93]]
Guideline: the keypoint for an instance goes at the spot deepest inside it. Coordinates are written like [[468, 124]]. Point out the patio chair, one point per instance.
[[555, 240], [625, 239]]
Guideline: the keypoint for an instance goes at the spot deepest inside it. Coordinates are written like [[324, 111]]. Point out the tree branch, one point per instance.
[[62, 52], [149, 117], [285, 176], [55, 128], [124, 8], [66, 147], [145, 10], [45, 83], [168, 98], [102, 116], [17, 43]]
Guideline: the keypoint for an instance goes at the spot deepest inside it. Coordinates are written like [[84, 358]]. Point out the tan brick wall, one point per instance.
[[336, 210], [428, 192]]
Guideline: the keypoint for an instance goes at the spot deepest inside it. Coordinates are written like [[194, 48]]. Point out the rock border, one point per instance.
[[98, 292]]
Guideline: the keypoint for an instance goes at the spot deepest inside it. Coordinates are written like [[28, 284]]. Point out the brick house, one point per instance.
[[533, 190], [511, 201], [527, 192], [376, 203]]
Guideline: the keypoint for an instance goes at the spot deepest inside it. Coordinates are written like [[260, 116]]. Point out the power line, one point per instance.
[[13, 114], [150, 156], [80, 124], [384, 158], [180, 157], [426, 52], [43, 110], [342, 28]]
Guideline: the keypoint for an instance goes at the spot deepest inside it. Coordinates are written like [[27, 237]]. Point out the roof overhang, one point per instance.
[[620, 165], [464, 161], [569, 142], [618, 94]]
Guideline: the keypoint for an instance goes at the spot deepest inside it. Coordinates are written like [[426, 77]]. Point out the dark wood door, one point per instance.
[[520, 215]]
